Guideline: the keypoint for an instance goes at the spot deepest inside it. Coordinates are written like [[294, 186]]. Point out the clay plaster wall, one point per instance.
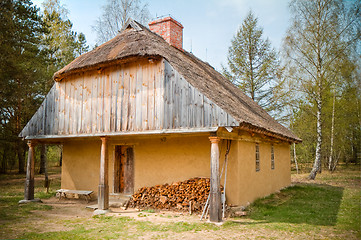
[[159, 160]]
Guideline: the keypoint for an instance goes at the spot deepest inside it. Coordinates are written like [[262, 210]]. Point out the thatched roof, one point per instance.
[[136, 40]]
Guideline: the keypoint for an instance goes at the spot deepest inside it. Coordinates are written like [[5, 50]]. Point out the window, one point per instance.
[[272, 157], [257, 158]]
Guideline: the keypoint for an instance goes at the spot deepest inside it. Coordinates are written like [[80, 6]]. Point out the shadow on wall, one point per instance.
[[314, 204]]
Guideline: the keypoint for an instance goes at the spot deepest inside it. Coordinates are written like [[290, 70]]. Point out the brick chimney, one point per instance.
[[169, 29]]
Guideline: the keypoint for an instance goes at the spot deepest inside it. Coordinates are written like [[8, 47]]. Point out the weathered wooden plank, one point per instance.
[[72, 107], [165, 115], [138, 98], [94, 105], [214, 113], [175, 101], [150, 97], [129, 171], [117, 168], [51, 117], [125, 100], [200, 109], [62, 97], [120, 100], [132, 95], [78, 103], [190, 107], [46, 113], [206, 106], [145, 93], [86, 113], [107, 102], [183, 104], [129, 97], [100, 102], [67, 106], [158, 99], [114, 99]]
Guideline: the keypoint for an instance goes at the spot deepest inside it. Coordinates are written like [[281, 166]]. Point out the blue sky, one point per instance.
[[209, 25]]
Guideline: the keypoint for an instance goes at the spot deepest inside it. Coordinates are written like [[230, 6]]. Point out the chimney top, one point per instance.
[[169, 29]]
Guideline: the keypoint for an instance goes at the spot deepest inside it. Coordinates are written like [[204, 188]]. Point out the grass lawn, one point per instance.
[[327, 208]]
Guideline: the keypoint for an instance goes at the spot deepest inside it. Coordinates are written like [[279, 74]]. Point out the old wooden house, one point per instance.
[[140, 111]]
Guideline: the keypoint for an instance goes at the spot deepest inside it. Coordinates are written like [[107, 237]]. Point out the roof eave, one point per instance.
[[260, 130]]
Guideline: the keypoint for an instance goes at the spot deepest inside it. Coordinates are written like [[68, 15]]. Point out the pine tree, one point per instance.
[[21, 62], [61, 43], [253, 64]]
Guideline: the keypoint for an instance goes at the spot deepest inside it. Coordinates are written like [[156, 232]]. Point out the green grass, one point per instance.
[[11, 210], [12, 191], [349, 216], [302, 203], [310, 206], [326, 209]]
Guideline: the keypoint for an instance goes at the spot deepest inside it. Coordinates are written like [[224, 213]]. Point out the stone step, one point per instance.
[[116, 200], [119, 196]]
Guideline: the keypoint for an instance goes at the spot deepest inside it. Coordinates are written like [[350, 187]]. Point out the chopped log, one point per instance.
[[178, 196]]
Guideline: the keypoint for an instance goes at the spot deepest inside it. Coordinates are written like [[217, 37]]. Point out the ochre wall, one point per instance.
[[167, 159], [80, 166], [254, 184]]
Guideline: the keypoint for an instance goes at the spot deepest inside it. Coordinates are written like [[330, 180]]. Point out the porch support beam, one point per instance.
[[215, 211], [29, 182], [103, 189]]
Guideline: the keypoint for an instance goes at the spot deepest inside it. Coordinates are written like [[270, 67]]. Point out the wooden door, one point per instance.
[[124, 169]]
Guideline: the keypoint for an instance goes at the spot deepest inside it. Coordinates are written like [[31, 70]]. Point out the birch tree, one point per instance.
[[321, 34], [114, 16]]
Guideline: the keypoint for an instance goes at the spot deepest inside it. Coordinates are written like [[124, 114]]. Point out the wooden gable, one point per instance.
[[146, 96]]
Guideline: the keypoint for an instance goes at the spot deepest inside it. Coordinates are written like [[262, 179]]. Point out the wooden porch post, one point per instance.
[[103, 189], [215, 211], [29, 183]]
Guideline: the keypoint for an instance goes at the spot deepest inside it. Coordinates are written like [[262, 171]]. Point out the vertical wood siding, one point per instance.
[[133, 97]]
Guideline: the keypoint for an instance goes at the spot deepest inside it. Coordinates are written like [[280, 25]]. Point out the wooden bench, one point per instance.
[[63, 192]]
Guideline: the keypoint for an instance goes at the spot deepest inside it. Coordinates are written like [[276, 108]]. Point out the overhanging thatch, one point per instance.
[[137, 42]]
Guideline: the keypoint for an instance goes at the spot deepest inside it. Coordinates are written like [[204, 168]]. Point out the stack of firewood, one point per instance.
[[190, 195]]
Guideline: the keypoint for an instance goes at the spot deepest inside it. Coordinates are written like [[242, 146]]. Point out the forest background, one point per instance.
[[311, 84]]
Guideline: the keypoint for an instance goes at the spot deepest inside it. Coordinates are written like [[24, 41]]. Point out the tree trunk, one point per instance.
[[295, 156], [42, 159], [46, 177], [3, 163], [21, 157], [330, 160], [61, 156], [317, 163]]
